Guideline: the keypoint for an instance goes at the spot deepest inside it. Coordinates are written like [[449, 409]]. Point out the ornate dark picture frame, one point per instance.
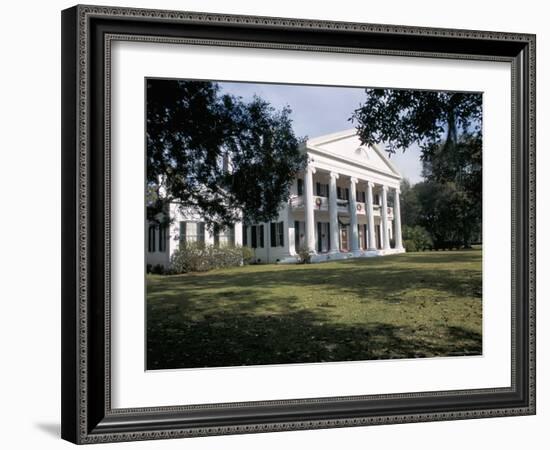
[[87, 33]]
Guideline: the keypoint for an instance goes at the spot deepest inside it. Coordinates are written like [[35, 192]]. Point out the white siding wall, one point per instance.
[[270, 254]]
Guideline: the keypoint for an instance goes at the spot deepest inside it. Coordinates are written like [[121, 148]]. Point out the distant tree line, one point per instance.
[[443, 211]]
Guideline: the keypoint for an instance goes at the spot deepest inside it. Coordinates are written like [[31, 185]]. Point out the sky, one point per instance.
[[320, 110]]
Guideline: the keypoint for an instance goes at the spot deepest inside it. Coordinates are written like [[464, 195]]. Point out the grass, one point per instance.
[[401, 306]]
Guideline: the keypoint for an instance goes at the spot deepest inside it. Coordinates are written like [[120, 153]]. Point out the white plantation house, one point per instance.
[[338, 208]]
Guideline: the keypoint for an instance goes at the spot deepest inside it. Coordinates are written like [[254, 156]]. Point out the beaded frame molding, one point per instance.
[[87, 34]]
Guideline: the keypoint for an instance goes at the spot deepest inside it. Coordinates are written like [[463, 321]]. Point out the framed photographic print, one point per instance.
[[278, 224]]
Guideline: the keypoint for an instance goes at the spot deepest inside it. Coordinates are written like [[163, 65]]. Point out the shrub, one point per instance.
[[416, 239], [157, 269], [409, 245], [304, 255], [248, 255], [198, 257]]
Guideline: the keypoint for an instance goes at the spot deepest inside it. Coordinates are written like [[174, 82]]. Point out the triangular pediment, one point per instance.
[[346, 146]]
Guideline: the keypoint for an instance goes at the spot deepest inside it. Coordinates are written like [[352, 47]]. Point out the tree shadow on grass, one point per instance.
[[296, 337], [286, 314], [240, 289]]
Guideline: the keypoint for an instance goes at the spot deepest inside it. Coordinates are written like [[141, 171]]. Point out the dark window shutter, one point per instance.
[[318, 188], [216, 235], [254, 237], [162, 238], [347, 194], [319, 237], [245, 236], [296, 235], [338, 192], [300, 186], [273, 234], [261, 231], [231, 235], [280, 229], [200, 232], [151, 246], [328, 234]]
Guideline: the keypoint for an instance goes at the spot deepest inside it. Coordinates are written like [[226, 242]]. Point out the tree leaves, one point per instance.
[[401, 118], [216, 153], [447, 126]]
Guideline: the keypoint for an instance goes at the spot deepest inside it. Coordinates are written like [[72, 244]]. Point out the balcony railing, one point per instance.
[[322, 204]]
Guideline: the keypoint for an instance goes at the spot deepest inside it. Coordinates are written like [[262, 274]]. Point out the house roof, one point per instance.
[[346, 146]]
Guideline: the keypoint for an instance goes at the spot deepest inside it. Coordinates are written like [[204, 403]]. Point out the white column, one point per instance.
[[385, 237], [333, 213], [291, 232], [238, 233], [397, 221], [370, 217], [308, 208], [353, 216]]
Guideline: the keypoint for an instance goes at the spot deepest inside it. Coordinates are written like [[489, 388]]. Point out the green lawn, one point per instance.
[[401, 306]]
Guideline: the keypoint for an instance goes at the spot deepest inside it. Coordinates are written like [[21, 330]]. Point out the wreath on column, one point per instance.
[[318, 202], [359, 207]]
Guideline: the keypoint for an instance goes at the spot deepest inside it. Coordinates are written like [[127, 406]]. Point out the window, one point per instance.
[[225, 236], [200, 232], [277, 234], [183, 231], [342, 193], [280, 234], [300, 186], [192, 231], [216, 235], [151, 240], [257, 236], [261, 233], [322, 190], [162, 238]]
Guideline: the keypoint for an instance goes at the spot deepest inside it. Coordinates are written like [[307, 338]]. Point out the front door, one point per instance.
[[344, 238]]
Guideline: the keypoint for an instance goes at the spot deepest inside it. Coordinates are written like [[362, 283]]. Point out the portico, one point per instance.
[[337, 215], [344, 204]]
